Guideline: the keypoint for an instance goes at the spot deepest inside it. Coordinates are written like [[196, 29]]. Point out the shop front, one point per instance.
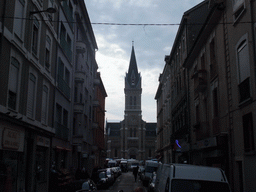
[[211, 152], [12, 158]]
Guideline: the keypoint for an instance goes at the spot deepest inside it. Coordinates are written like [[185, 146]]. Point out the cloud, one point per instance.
[[151, 44]]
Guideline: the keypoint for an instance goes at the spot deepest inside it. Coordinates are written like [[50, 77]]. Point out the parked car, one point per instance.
[[116, 172], [111, 175], [88, 185], [150, 168], [124, 165], [141, 171], [183, 178], [152, 183], [101, 179], [119, 171], [112, 163]]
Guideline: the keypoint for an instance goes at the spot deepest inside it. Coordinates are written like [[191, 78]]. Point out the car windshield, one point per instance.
[[102, 175], [179, 185]]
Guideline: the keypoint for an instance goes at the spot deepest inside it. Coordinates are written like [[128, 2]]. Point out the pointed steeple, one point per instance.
[[133, 76]]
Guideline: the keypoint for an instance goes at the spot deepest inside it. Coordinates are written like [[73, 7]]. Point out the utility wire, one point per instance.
[[128, 24]]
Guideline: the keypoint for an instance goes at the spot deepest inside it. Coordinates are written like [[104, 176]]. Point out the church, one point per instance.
[[132, 137]]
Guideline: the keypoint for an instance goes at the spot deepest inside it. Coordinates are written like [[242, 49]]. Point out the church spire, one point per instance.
[[133, 76]]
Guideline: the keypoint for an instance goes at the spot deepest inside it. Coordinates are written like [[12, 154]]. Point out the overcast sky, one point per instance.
[[151, 44]]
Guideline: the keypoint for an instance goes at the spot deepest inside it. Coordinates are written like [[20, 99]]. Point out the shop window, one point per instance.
[[41, 168]]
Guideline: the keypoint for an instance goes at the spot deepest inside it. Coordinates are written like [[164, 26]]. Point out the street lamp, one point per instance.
[[49, 10]]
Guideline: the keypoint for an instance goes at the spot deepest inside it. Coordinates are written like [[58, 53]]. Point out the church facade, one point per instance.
[[132, 137]]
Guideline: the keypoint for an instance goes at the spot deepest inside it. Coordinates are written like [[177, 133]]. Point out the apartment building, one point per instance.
[[163, 97], [221, 92], [47, 74]]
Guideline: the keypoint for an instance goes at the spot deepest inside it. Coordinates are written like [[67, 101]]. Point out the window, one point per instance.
[[243, 70], [130, 100], [58, 113], [44, 104], [13, 83], [213, 65], [65, 117], [31, 96], [67, 76], [35, 36], [19, 13], [197, 114], [149, 153], [243, 61], [75, 95], [47, 52], [248, 133], [135, 100], [238, 8], [215, 103]]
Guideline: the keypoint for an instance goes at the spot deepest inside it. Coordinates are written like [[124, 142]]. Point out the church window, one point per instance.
[[134, 132], [130, 100], [134, 100]]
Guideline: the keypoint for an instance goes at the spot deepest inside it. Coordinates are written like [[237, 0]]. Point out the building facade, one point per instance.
[[220, 90], [132, 137], [46, 54]]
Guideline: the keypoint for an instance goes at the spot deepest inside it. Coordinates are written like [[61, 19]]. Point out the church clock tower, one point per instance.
[[133, 130]]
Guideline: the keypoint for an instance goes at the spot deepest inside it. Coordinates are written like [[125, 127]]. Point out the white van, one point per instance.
[[150, 168], [183, 178]]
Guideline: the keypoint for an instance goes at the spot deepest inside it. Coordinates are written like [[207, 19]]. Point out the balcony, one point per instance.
[[61, 131], [200, 80], [80, 76], [78, 107], [80, 47]]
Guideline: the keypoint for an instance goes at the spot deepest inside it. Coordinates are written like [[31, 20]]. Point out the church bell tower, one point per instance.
[[133, 132]]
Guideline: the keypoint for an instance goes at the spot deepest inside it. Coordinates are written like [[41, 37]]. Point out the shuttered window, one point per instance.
[[31, 96], [13, 83], [44, 104]]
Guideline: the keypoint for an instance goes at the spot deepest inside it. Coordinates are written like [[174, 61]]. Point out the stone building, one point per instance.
[[132, 137]]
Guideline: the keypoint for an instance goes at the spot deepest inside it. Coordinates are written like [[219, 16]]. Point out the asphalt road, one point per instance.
[[126, 183]]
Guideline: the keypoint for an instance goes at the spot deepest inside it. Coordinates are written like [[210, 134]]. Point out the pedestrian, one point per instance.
[[135, 172]]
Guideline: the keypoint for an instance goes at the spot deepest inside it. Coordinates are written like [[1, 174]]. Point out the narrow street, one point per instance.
[[126, 183]]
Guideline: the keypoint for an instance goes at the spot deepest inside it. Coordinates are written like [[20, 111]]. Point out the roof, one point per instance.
[[133, 76]]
